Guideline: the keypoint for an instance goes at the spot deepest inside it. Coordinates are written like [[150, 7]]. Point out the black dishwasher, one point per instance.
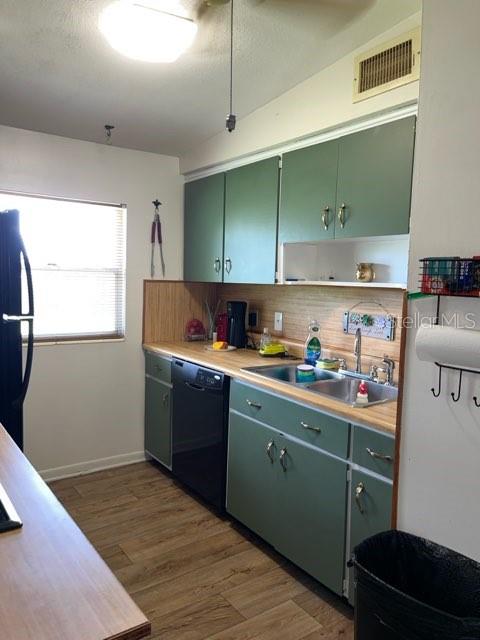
[[199, 429]]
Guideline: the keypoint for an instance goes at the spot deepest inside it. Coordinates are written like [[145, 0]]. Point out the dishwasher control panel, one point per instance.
[[184, 372], [209, 379]]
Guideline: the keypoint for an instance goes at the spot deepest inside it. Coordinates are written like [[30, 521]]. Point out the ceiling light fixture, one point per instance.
[[146, 33]]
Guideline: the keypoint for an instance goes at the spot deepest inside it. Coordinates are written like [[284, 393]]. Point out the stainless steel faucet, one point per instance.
[[390, 366], [357, 350]]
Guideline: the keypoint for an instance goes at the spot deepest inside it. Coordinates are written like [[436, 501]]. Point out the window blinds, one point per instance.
[[77, 254]]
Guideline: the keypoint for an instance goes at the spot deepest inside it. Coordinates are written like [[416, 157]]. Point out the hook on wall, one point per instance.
[[108, 133], [437, 393], [459, 392], [455, 396]]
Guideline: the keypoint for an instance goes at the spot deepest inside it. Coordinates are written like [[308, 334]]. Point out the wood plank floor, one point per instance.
[[195, 575]]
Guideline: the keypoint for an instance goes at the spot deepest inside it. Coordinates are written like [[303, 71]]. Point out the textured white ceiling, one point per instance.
[[59, 75]]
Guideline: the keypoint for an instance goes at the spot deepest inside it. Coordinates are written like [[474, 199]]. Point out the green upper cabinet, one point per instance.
[[375, 180], [251, 212], [203, 236], [309, 186]]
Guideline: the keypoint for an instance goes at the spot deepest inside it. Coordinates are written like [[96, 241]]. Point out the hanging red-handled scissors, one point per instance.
[[156, 234]]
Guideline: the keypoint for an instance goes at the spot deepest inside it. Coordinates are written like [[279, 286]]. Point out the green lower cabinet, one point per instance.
[[158, 422], [291, 495], [252, 476], [295, 495], [312, 514], [370, 511]]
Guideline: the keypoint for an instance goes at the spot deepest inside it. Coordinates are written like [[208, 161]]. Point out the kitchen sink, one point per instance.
[[345, 389], [339, 386], [288, 373]]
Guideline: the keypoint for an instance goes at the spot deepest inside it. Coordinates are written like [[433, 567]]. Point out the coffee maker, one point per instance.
[[236, 334]]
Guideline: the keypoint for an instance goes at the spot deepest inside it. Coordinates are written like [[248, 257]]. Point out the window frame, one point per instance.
[[91, 338]]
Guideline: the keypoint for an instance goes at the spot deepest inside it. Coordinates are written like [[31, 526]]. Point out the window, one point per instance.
[[77, 255]]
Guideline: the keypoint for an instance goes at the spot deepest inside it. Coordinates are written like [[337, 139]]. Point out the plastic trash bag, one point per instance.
[[409, 588]]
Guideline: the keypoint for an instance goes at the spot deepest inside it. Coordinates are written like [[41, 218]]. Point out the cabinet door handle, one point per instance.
[[228, 265], [283, 456], [379, 456], [165, 399], [359, 490], [307, 426], [255, 405], [270, 447], [325, 221], [341, 215], [217, 265], [157, 367]]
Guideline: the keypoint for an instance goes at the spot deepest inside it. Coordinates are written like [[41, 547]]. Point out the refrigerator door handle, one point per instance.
[[7, 318], [28, 317]]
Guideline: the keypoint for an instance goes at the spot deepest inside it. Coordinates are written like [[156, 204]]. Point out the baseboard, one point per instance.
[[89, 466]]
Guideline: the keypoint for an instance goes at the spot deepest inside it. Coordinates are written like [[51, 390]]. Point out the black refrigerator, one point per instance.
[[14, 378]]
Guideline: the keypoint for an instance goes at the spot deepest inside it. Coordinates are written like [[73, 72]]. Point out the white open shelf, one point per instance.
[[333, 263], [349, 283]]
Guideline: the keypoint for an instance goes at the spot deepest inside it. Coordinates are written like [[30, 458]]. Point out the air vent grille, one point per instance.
[[391, 65]]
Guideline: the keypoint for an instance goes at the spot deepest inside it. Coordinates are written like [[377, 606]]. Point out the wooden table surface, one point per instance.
[[382, 416], [53, 584]]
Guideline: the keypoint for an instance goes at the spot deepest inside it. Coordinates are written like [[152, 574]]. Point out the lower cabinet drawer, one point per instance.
[[305, 423], [158, 366], [373, 450]]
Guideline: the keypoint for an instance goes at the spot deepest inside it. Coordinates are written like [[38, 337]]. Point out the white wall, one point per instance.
[[322, 102], [85, 401], [440, 456]]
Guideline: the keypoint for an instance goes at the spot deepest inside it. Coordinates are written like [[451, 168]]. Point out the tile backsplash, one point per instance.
[[301, 303], [169, 305]]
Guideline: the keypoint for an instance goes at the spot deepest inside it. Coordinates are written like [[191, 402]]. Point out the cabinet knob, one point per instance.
[[283, 458], [325, 217], [228, 265], [165, 399], [270, 447], [379, 456], [359, 491], [217, 265], [341, 215], [253, 404]]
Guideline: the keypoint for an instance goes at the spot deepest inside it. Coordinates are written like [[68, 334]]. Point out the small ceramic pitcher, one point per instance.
[[365, 272]]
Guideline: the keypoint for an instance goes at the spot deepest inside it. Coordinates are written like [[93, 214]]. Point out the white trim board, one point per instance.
[[361, 124], [90, 466]]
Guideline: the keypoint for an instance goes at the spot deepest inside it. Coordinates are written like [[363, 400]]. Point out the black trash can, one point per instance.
[[409, 588]]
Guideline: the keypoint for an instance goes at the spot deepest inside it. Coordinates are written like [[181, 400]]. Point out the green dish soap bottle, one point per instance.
[[313, 347]]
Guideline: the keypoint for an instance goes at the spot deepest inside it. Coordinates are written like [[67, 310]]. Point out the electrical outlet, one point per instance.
[[253, 319], [278, 326]]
